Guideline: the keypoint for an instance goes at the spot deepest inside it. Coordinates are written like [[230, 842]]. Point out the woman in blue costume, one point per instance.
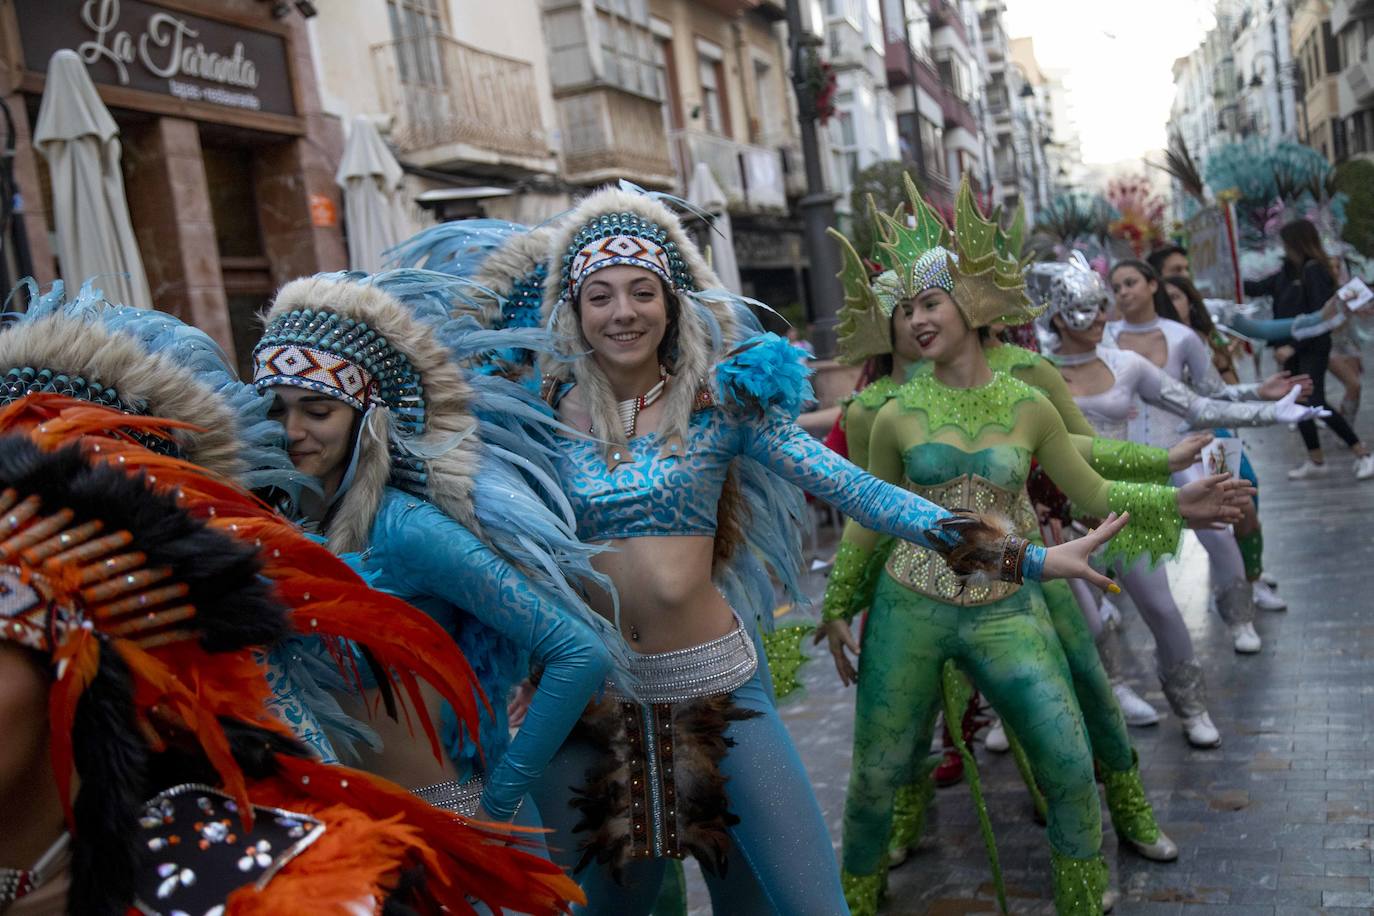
[[420, 476], [689, 754], [965, 435]]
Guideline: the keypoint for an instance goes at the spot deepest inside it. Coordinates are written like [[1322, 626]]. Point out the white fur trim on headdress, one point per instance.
[[451, 452]]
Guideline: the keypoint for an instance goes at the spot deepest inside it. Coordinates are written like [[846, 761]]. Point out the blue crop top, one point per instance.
[[656, 492]]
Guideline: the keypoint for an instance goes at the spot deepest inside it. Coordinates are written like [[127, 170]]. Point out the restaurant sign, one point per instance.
[[136, 44]]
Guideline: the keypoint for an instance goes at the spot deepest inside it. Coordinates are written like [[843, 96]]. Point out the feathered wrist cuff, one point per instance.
[[982, 546]]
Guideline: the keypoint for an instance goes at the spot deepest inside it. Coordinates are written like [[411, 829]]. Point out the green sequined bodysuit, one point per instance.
[[927, 436]]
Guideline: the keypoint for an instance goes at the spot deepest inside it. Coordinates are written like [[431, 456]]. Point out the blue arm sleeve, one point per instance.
[[1278, 329], [435, 555], [877, 504]]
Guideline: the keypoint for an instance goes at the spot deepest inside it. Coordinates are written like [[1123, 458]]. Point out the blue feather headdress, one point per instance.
[[146, 362], [476, 447]]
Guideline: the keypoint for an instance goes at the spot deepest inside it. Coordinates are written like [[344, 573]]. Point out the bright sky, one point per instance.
[[1117, 57]]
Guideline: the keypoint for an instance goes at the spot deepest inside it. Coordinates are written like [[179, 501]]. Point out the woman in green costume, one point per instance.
[[895, 342], [965, 436]]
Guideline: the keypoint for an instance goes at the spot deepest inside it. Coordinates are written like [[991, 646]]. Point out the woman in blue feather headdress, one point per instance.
[[434, 477]]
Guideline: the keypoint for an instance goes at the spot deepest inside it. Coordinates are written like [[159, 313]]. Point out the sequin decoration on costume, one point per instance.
[[968, 410], [655, 491], [1118, 459], [199, 852], [877, 393], [21, 382], [623, 238], [1155, 526], [1009, 357], [783, 648]]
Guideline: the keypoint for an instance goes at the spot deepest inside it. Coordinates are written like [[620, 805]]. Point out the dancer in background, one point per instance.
[[1109, 385], [420, 474], [1173, 347], [1304, 283]]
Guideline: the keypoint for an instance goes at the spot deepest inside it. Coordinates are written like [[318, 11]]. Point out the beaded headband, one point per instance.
[[56, 577], [328, 353], [623, 238], [19, 382]]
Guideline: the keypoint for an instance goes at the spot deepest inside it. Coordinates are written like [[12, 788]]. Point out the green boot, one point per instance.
[[909, 807], [1133, 817], [1079, 884], [862, 892]]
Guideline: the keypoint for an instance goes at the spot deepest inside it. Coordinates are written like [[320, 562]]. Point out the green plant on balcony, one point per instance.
[[1356, 179]]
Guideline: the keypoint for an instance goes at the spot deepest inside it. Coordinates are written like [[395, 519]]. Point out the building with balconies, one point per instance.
[[1032, 130], [1352, 25], [863, 130], [1266, 78], [727, 102], [462, 97], [1317, 65]]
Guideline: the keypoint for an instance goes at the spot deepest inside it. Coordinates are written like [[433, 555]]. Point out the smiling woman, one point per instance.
[[320, 432]]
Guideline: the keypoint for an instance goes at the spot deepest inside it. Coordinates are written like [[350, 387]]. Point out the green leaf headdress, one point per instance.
[[864, 325]]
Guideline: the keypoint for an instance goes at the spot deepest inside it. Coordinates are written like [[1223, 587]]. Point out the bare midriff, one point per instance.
[[667, 598]]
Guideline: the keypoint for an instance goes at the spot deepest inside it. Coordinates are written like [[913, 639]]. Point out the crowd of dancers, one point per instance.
[[465, 600]]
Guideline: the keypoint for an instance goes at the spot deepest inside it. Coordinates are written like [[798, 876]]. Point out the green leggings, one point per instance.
[[1014, 656]]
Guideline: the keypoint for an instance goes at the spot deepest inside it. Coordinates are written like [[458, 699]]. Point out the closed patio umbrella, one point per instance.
[[704, 192], [79, 139], [371, 180]]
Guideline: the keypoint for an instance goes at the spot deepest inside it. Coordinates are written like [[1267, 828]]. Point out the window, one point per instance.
[[764, 105], [627, 46], [418, 26], [711, 72], [1331, 54], [933, 145]]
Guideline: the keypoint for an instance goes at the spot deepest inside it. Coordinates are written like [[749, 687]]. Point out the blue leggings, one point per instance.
[[781, 860]]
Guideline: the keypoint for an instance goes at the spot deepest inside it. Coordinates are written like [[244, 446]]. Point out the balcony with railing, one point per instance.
[[452, 102], [754, 178], [1355, 87], [609, 133]]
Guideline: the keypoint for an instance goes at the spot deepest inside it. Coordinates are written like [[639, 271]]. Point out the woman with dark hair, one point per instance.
[[1188, 304], [1172, 346], [1303, 284], [1188, 301]]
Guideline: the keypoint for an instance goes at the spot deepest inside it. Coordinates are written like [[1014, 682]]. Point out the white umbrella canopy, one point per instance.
[[79, 139], [371, 180], [704, 192]]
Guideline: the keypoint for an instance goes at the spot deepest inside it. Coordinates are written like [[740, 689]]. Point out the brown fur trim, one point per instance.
[[153, 383], [978, 554], [697, 787], [447, 414]]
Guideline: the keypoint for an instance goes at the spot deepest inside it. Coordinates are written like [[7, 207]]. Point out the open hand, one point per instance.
[[1070, 561], [1186, 452], [842, 643], [1277, 385], [1287, 410], [1217, 499]]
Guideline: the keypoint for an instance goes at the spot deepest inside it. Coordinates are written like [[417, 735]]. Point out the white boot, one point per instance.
[[1186, 693], [1245, 639], [996, 738], [1266, 599], [1135, 708], [1200, 731], [1236, 605]]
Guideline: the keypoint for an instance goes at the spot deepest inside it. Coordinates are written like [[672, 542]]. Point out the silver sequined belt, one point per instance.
[[458, 797], [720, 666]]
